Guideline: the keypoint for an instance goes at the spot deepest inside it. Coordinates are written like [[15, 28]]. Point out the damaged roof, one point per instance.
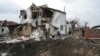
[[45, 6], [95, 26], [52, 9], [7, 23]]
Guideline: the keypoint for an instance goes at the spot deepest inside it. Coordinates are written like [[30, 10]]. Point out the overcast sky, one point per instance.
[[84, 10]]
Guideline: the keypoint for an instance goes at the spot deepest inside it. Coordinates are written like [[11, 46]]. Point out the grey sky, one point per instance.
[[9, 10], [85, 10]]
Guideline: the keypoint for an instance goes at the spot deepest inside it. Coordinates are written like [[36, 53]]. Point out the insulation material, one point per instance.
[[37, 34], [47, 26]]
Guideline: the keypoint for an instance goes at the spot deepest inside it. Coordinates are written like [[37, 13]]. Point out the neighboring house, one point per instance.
[[44, 17], [92, 33], [6, 29]]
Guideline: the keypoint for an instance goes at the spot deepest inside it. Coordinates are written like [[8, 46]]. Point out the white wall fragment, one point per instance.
[[59, 19]]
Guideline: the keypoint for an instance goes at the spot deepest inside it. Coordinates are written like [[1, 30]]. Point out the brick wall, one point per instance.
[[92, 33]]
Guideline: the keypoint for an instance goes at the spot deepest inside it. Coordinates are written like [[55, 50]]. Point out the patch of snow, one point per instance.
[[3, 54]]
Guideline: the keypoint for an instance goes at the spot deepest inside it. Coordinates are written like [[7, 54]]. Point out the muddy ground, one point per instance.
[[67, 47]]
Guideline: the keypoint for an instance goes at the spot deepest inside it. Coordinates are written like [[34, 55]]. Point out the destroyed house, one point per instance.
[[45, 17]]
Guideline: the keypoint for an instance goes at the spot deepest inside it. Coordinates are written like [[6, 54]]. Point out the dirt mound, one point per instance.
[[68, 47]]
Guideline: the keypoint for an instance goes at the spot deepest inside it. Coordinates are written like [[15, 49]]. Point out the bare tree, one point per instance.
[[73, 23]]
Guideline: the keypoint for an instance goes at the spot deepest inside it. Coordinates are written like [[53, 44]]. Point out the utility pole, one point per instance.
[[64, 9]]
